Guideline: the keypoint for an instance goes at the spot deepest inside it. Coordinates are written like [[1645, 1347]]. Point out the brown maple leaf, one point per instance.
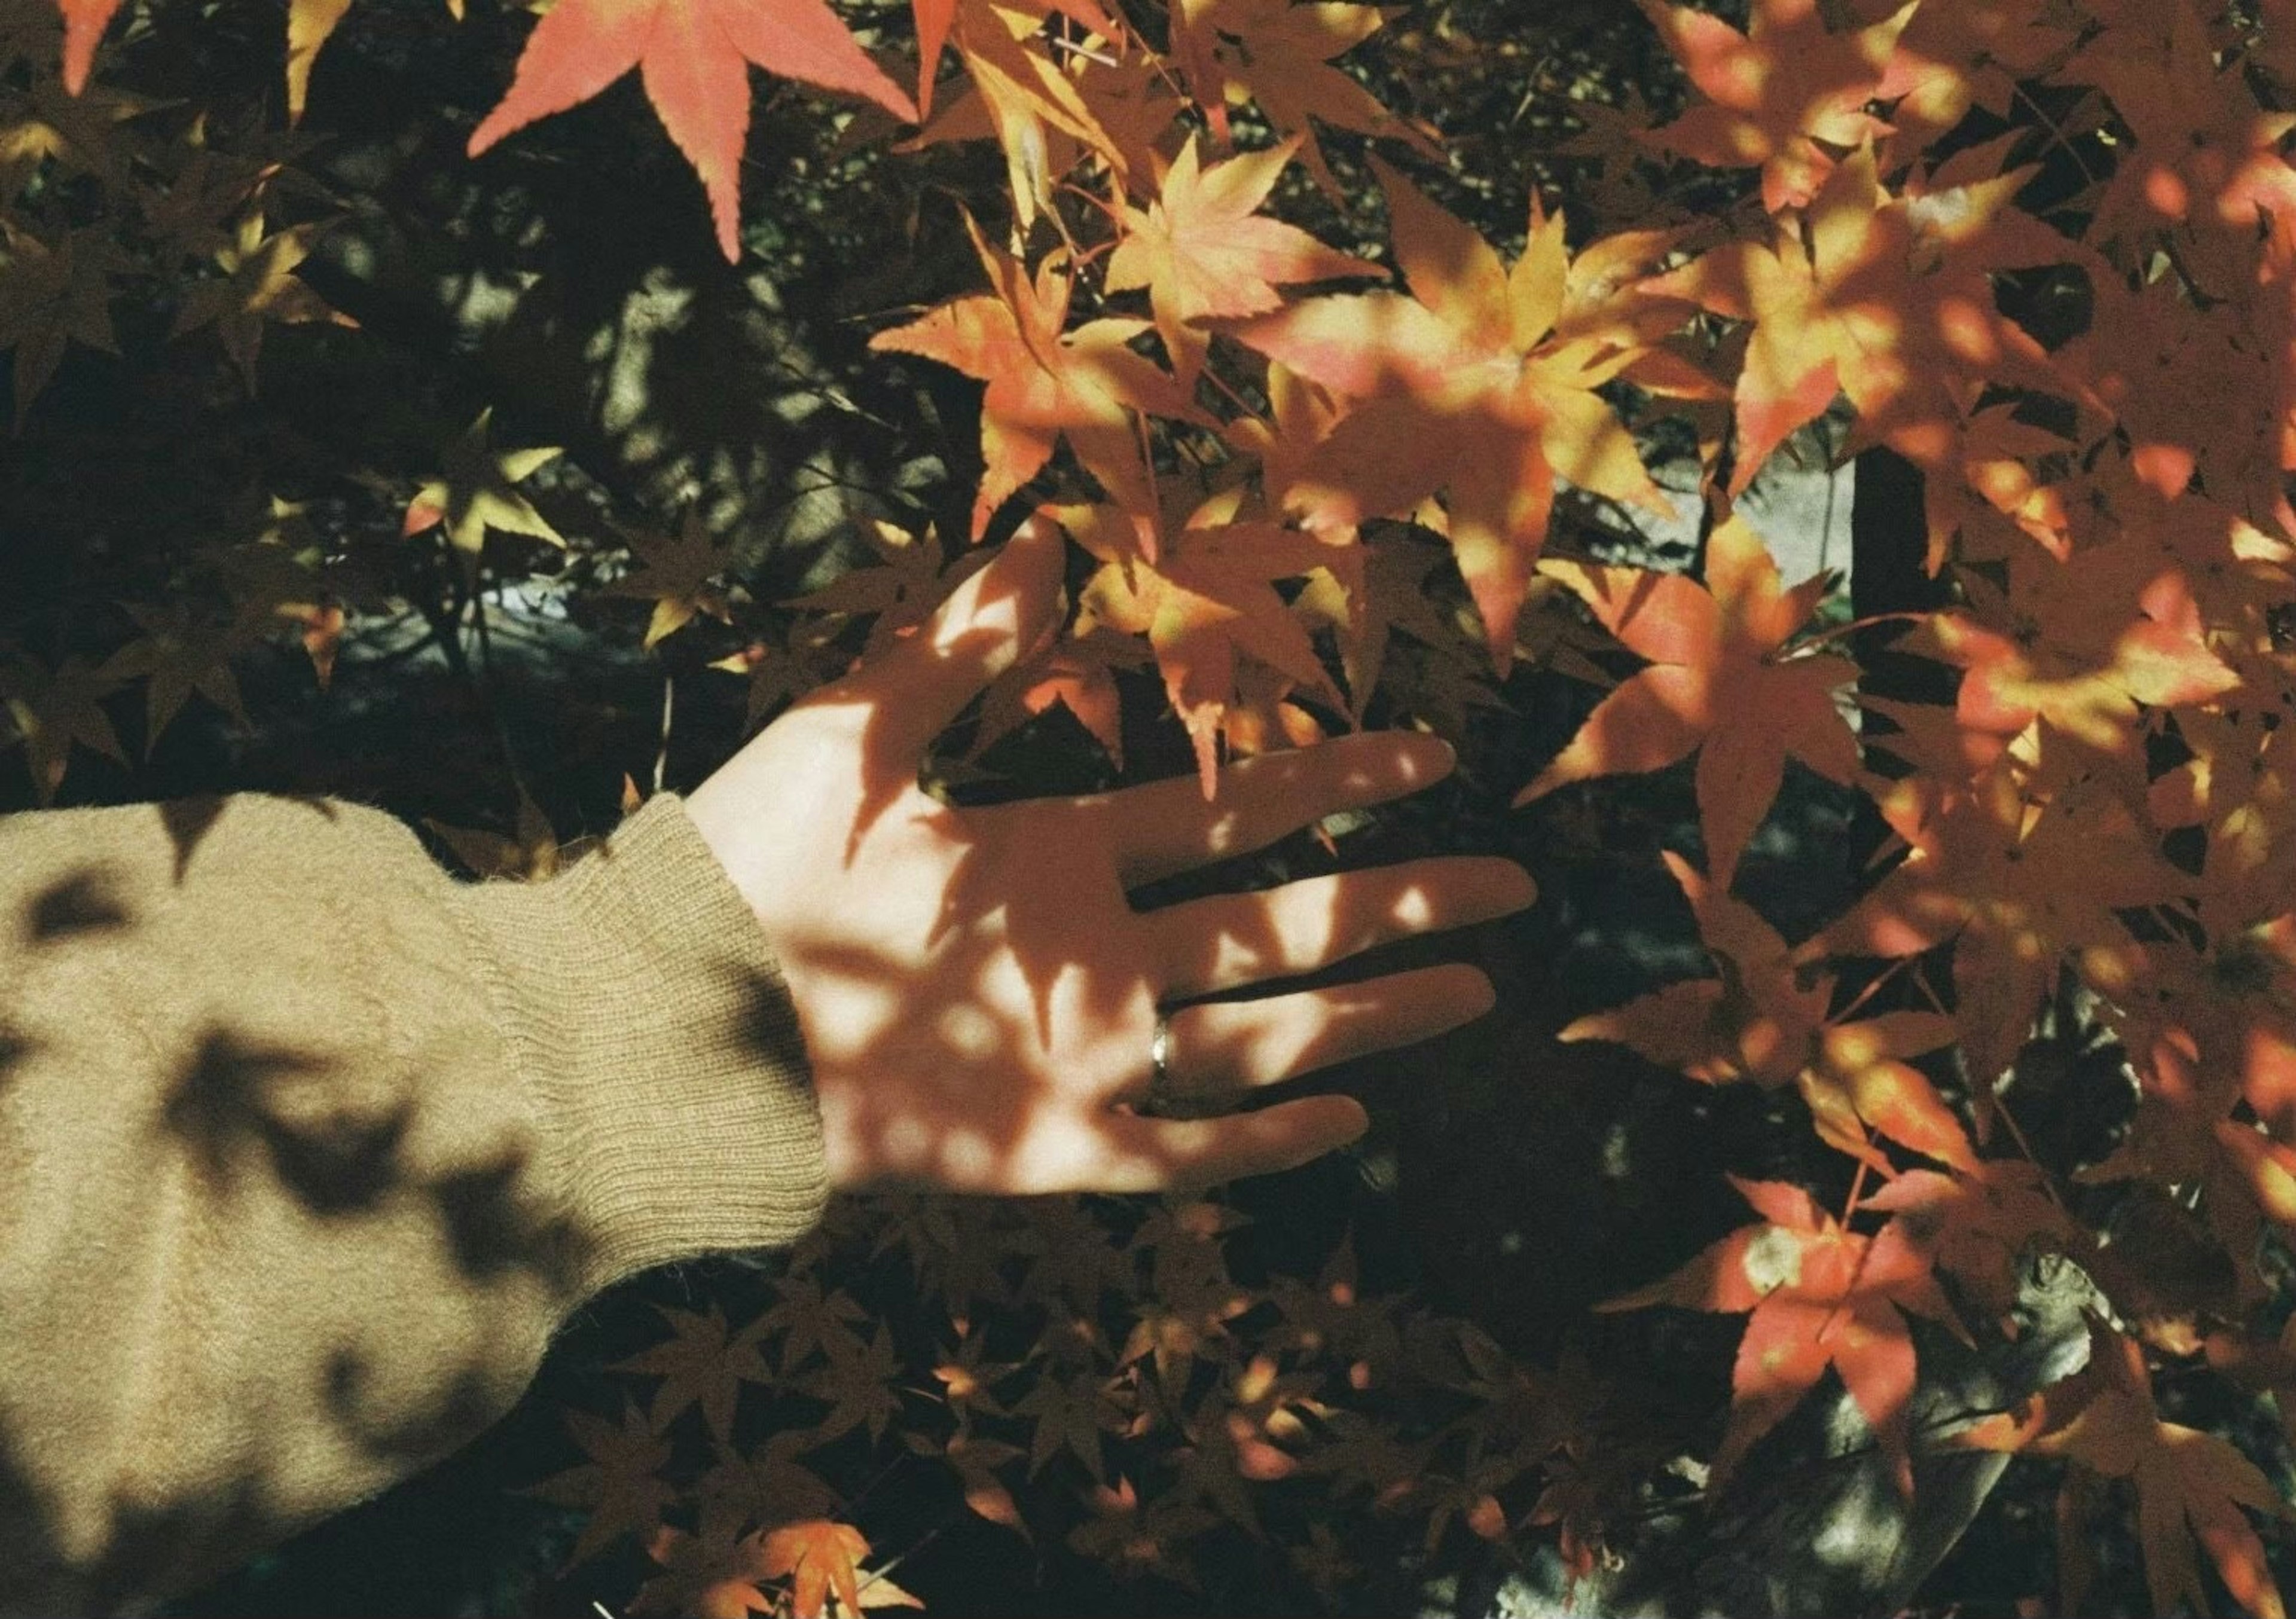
[[1279, 55]]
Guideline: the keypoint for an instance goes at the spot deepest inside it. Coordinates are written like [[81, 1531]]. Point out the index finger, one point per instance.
[[1165, 827]]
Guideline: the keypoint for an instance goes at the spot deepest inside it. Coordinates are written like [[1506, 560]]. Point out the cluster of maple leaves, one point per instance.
[[1269, 441]]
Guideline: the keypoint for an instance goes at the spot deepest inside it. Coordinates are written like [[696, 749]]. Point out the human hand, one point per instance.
[[978, 999]]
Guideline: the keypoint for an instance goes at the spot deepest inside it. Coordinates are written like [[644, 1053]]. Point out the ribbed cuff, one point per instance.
[[646, 1012]]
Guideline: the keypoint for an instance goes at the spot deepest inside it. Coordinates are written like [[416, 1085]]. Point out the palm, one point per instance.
[[978, 995]]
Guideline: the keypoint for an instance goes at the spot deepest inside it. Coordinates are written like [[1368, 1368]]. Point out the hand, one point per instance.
[[979, 998]]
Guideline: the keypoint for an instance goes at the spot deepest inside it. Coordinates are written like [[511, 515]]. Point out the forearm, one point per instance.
[[310, 1148]]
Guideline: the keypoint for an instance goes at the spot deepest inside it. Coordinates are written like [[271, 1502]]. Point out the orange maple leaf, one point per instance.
[[1279, 55], [1765, 1019], [1719, 682], [1816, 1294], [1480, 383], [2079, 643], [1203, 252], [2021, 871], [1209, 595], [1779, 96], [818, 1558], [1885, 296], [695, 56], [2190, 1485], [1045, 383]]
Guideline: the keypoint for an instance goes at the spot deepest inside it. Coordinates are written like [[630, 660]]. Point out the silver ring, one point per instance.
[[1166, 1099], [1159, 1059]]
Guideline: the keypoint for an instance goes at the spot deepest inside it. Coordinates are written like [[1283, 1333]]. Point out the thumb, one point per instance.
[[1000, 615]]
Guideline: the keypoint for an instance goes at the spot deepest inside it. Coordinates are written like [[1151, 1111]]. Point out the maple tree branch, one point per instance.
[[1867, 994], [1857, 1180], [2065, 141], [1808, 642]]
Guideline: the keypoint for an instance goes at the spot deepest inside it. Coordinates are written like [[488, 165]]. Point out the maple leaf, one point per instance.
[[1279, 55], [1048, 108], [258, 287], [817, 1558], [1045, 383], [2193, 396], [1204, 253], [54, 709], [716, 1574], [2078, 643], [200, 210], [2190, 1485], [76, 130], [1369, 590], [858, 1383], [1765, 1019], [674, 573], [2020, 871], [272, 569], [1951, 58], [1209, 595], [809, 1320], [1815, 1295], [702, 1364], [85, 22], [1778, 96], [1068, 1415], [478, 491], [620, 1484], [1077, 673], [1885, 296], [1134, 1538], [52, 295], [2201, 143], [896, 592], [1479, 382], [695, 56], [1719, 682], [1979, 1222], [180, 652]]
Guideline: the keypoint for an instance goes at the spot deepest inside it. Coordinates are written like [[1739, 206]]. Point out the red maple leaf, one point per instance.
[[695, 56]]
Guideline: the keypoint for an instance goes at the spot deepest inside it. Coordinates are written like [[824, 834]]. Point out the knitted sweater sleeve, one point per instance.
[[306, 1148]]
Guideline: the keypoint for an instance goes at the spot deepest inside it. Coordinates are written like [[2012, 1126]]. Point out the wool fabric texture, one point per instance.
[[306, 1148]]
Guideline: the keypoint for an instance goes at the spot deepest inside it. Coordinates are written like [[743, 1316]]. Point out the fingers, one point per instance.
[[1167, 826], [1227, 1045], [991, 621], [1233, 939], [1183, 1155]]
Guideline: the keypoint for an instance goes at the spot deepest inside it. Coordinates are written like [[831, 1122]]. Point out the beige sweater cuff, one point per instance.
[[644, 1008]]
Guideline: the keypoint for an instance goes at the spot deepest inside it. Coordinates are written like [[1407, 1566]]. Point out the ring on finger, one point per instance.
[[1167, 1097]]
